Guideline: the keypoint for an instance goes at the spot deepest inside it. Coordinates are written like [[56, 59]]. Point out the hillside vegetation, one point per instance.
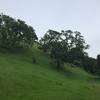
[[28, 73], [20, 79]]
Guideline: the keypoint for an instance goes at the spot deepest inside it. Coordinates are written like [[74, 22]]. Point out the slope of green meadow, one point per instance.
[[20, 79]]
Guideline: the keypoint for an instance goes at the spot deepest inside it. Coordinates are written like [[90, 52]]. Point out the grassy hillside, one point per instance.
[[20, 79]]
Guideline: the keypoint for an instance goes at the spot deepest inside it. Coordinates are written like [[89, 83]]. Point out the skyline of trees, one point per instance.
[[65, 46]]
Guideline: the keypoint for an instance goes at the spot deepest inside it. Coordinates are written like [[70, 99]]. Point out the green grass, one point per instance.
[[20, 79]]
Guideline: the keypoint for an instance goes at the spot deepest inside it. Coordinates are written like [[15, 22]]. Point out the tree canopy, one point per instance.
[[15, 33], [65, 46]]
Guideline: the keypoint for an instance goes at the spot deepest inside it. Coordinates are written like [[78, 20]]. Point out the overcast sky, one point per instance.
[[80, 15]]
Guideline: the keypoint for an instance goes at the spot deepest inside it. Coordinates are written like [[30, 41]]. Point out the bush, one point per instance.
[[77, 63], [33, 60], [57, 63]]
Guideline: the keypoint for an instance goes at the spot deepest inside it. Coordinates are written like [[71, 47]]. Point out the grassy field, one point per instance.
[[20, 79]]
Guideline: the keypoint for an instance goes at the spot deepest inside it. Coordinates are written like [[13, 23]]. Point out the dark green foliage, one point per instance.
[[75, 54], [57, 63], [78, 63], [97, 65], [15, 33], [33, 60], [64, 46], [51, 44], [89, 63], [98, 61]]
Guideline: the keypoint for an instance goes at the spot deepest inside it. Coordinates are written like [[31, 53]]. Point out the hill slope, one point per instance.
[[20, 79]]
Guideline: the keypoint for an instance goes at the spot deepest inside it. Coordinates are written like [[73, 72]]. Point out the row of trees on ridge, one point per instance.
[[65, 46]]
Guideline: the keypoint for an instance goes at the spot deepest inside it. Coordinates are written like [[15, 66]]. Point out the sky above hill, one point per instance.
[[80, 15]]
